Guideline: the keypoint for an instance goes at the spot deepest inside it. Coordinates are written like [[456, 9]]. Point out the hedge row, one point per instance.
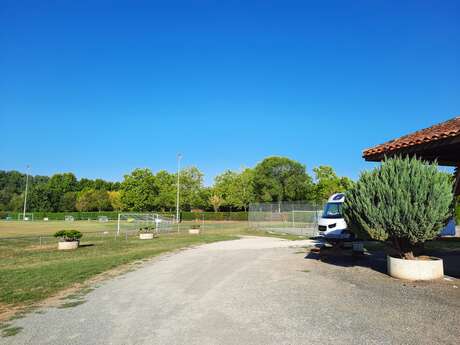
[[113, 215], [214, 215]]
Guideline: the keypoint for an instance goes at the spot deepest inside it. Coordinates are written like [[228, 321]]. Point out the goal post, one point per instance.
[[131, 222], [69, 218], [293, 217], [300, 218], [26, 216]]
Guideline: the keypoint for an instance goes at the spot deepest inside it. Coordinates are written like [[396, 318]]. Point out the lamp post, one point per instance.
[[179, 157], [25, 194]]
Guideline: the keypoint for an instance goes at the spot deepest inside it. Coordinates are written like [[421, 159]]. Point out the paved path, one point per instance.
[[250, 291]]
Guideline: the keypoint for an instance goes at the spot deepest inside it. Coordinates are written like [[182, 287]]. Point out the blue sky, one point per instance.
[[102, 87]]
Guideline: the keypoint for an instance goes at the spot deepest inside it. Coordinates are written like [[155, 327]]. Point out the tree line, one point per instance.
[[273, 179]]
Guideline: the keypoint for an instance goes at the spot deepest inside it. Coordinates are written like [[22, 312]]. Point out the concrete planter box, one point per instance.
[[68, 245], [194, 231], [415, 269], [146, 236]]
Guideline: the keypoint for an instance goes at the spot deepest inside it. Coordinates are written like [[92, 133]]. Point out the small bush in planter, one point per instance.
[[147, 230], [404, 201], [195, 226], [68, 235]]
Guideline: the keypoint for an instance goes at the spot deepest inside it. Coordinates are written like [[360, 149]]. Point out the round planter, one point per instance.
[[68, 245], [194, 231], [415, 269], [146, 236]]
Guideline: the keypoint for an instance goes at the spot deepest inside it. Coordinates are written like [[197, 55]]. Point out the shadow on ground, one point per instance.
[[345, 258], [376, 259]]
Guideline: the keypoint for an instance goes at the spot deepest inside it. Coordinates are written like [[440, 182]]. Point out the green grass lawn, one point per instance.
[[30, 272]]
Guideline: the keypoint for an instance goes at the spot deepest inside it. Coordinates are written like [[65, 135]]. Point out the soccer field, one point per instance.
[[41, 228]]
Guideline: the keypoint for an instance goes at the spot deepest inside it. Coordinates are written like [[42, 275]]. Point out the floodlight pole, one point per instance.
[[179, 157], [25, 194]]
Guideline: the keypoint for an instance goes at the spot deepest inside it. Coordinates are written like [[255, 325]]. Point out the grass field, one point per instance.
[[31, 271]]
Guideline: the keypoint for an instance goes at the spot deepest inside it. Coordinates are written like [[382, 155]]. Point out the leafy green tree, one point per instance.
[[63, 183], [86, 201], [68, 201], [115, 200], [16, 202], [225, 190], [216, 201], [5, 198], [191, 184], [58, 185], [328, 183], [280, 179], [85, 183], [205, 194], [100, 184], [235, 189], [102, 200], [404, 201], [39, 198], [166, 186], [139, 191]]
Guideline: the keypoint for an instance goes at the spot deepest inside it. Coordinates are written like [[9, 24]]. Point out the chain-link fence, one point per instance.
[[297, 218]]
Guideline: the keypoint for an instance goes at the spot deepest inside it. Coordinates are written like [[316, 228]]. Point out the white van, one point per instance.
[[331, 224]]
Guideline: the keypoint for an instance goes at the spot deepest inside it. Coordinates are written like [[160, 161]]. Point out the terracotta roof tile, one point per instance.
[[442, 130]]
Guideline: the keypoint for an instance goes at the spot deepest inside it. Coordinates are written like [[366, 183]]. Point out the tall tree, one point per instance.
[[115, 200], [235, 189], [59, 184], [102, 200], [215, 200], [166, 186], [68, 201], [280, 179], [191, 184], [139, 191], [328, 183], [86, 201]]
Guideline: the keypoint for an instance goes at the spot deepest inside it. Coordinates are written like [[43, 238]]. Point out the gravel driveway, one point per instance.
[[251, 291]]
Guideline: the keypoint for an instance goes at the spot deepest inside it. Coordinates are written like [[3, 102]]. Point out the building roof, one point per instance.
[[444, 130]]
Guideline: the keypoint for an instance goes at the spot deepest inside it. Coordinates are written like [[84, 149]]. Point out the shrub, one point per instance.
[[195, 226], [147, 229], [405, 201], [68, 235]]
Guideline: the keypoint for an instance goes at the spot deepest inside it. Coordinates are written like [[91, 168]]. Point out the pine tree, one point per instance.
[[405, 201]]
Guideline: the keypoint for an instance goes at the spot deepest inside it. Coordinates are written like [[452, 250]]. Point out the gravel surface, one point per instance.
[[251, 291]]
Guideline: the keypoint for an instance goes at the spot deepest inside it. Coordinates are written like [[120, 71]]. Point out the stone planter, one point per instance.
[[68, 245], [430, 269], [146, 236], [194, 231]]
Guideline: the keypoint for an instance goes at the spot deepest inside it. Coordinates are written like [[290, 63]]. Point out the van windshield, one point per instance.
[[333, 210]]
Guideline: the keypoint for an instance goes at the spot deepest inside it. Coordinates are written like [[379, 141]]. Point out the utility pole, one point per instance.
[[25, 194], [179, 157]]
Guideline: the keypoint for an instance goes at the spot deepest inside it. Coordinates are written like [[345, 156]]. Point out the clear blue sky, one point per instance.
[[102, 87]]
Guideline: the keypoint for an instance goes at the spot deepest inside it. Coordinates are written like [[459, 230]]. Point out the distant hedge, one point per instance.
[[242, 216], [214, 215]]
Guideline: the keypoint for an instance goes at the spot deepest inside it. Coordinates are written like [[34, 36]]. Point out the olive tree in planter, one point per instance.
[[68, 239], [194, 229], [146, 233], [405, 202]]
